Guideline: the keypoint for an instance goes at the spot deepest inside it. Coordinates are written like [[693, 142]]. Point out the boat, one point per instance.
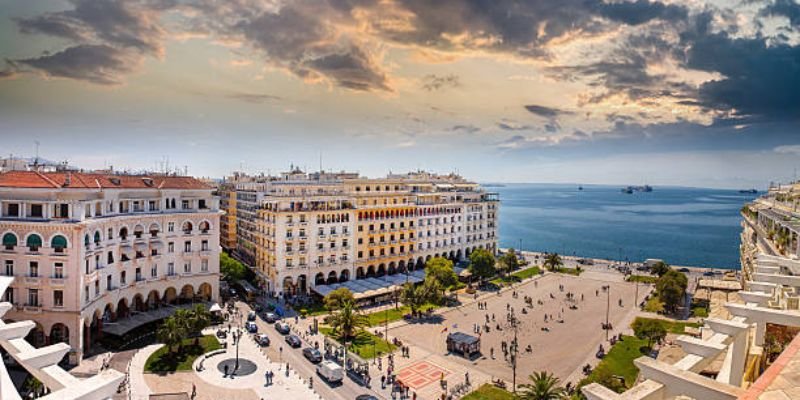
[[643, 189], [749, 191], [580, 187], [646, 188], [627, 190]]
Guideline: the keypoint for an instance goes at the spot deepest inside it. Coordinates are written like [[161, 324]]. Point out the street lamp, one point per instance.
[[608, 307], [237, 336]]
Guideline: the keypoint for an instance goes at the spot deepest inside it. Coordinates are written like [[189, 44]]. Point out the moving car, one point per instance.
[[293, 340], [330, 371], [222, 334], [251, 316], [312, 354], [251, 327], [262, 340], [271, 317], [282, 327], [683, 269]]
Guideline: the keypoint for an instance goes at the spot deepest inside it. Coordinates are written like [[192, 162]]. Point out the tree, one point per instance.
[[603, 375], [335, 299], [660, 268], [416, 296], [543, 386], [171, 332], [651, 329], [509, 261], [347, 321], [441, 270], [230, 268], [671, 288], [482, 264], [552, 261], [199, 319]]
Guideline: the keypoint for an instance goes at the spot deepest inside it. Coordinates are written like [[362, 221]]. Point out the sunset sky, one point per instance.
[[698, 93]]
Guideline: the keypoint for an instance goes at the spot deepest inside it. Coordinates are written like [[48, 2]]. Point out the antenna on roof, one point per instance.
[[36, 161]]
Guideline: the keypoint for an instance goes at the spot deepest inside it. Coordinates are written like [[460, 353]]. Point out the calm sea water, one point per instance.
[[683, 226]]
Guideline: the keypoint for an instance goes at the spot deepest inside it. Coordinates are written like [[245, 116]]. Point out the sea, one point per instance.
[[683, 226]]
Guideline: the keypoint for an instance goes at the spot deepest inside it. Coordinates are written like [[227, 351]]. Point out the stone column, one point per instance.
[[761, 328]]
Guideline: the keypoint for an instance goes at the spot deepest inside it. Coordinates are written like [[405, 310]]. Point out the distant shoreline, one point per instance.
[[634, 264]]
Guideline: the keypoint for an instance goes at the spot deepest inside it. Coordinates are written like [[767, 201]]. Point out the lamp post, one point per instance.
[[514, 351], [237, 336], [608, 307]]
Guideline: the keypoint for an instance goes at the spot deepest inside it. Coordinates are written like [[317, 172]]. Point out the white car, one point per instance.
[[330, 371]]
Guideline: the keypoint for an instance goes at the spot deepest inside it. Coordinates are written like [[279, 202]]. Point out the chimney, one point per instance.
[[68, 179]]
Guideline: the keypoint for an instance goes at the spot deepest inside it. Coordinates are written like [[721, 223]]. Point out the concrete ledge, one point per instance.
[[680, 382]]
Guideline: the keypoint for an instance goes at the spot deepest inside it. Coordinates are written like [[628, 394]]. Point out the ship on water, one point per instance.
[[632, 189], [749, 191]]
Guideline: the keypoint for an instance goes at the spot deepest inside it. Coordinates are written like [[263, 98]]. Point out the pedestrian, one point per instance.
[[383, 381], [194, 391]]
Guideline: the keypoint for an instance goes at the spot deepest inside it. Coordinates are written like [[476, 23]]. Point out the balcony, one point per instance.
[[90, 277], [32, 308], [57, 282]]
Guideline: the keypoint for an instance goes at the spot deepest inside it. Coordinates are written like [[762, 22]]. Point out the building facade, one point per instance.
[[325, 228], [93, 249]]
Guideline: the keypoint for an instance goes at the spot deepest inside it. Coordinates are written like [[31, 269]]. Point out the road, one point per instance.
[[280, 351]]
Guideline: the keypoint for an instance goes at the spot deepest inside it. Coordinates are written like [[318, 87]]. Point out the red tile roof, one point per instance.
[[81, 180]]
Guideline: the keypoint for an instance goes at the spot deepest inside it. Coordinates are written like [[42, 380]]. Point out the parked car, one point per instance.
[[708, 273], [330, 371], [282, 327], [312, 354], [251, 327], [262, 340], [293, 340], [366, 397], [684, 269], [271, 317], [251, 316], [222, 334]]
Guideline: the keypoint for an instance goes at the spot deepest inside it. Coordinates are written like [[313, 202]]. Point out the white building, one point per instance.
[[100, 253]]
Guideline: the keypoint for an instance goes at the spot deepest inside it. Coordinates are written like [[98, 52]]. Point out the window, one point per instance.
[[110, 258], [58, 298], [9, 295], [110, 234], [171, 269], [97, 287], [36, 211], [171, 227], [58, 270], [201, 204], [33, 270], [123, 278], [187, 247], [152, 205], [34, 242], [87, 266], [360, 254], [9, 241], [333, 230], [9, 268], [204, 265], [13, 210], [204, 245], [185, 204], [171, 247], [86, 293], [154, 271], [288, 263], [33, 297], [108, 283], [344, 243], [61, 210]]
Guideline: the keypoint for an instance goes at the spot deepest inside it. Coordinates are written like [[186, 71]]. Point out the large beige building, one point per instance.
[[102, 253], [304, 231]]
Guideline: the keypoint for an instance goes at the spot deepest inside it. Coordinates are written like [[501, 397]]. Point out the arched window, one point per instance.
[[97, 237], [154, 230], [187, 227], [123, 233], [34, 242], [204, 227], [87, 240], [58, 243], [9, 241]]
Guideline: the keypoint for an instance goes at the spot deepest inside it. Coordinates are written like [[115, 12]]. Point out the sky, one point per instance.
[[691, 93]]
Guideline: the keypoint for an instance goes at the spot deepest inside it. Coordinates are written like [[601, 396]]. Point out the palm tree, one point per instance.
[[347, 321], [552, 261], [171, 332], [199, 320], [543, 386]]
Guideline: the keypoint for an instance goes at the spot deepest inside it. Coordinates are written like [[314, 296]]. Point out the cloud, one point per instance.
[[641, 11], [435, 82], [783, 8], [254, 98], [788, 149], [99, 64], [465, 128], [544, 111], [512, 126]]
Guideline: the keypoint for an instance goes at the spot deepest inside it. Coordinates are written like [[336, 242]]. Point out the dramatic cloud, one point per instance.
[[788, 149], [434, 82], [783, 8], [465, 128], [98, 64], [641, 11]]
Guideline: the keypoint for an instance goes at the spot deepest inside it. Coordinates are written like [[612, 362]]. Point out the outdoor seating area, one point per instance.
[[368, 288]]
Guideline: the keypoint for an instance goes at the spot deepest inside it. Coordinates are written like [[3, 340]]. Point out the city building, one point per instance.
[[750, 368], [306, 231], [97, 254]]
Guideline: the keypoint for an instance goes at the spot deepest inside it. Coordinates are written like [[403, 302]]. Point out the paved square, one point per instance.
[[421, 374]]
